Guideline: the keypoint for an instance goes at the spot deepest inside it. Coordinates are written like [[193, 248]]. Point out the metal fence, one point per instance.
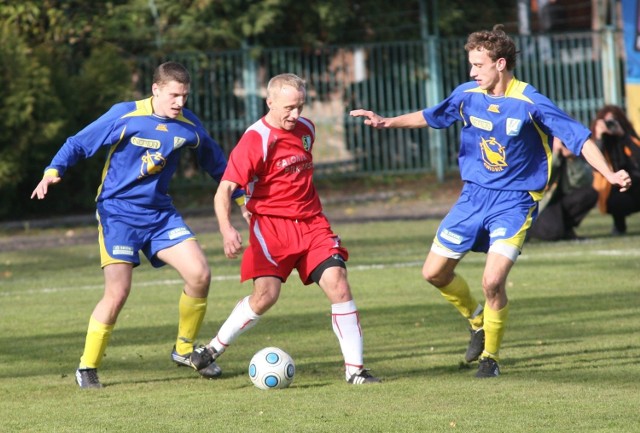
[[579, 71]]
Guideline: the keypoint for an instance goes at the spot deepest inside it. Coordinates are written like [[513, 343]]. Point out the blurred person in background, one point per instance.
[[617, 139], [569, 198]]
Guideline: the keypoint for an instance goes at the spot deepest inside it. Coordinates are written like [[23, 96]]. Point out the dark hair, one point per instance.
[[171, 71], [496, 43], [619, 115]]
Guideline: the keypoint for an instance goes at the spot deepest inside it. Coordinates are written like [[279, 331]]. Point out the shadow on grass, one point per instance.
[[538, 342]]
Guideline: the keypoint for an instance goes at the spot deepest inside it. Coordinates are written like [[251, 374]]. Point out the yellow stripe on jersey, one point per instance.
[[106, 164]]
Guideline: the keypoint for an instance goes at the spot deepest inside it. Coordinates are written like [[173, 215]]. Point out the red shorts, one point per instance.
[[277, 246]]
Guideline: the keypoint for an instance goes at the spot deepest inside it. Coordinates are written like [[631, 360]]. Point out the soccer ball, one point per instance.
[[271, 368]]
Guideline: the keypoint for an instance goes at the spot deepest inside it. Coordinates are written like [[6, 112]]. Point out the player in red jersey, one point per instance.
[[288, 230]]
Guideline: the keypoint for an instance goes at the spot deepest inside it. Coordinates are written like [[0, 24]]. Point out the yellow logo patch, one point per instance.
[[145, 142]]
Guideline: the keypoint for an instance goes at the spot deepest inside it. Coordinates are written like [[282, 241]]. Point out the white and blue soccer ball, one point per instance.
[[272, 368]]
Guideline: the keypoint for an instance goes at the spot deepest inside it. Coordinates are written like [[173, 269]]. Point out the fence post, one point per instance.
[[250, 78], [610, 68], [434, 95], [432, 85]]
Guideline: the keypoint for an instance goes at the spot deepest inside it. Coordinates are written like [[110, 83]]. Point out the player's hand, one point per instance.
[[622, 179], [372, 119], [232, 243], [43, 187]]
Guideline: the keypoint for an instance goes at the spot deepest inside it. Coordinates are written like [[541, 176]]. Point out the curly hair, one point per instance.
[[496, 43]]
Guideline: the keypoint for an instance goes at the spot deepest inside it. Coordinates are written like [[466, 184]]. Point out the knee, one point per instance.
[[261, 302], [198, 282], [491, 287], [437, 279]]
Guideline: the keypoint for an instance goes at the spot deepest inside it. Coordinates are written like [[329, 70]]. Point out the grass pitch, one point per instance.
[[569, 360]]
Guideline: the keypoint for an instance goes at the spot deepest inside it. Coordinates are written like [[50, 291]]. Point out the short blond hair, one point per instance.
[[278, 81]]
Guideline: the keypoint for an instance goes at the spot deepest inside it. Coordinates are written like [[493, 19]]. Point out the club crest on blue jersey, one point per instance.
[[493, 154], [152, 163], [513, 126], [306, 142]]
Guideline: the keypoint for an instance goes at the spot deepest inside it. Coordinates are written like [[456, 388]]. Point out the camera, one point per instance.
[[611, 123]]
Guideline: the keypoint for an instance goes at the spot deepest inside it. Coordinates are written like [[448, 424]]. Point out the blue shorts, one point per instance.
[[125, 229], [485, 218]]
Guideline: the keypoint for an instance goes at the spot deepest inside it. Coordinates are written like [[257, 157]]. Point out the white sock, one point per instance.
[[241, 319], [346, 326]]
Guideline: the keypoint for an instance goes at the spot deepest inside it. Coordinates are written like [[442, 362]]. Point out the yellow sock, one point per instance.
[[98, 335], [457, 292], [494, 326], [191, 312]]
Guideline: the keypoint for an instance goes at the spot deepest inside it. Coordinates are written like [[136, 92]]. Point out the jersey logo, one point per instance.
[[145, 142], [485, 125], [178, 142], [162, 127], [494, 108], [493, 154], [513, 126], [152, 163], [306, 142]]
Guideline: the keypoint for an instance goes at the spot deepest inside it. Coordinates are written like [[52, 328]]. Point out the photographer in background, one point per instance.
[[617, 139], [570, 197]]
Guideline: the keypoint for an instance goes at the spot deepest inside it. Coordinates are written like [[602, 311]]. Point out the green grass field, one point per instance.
[[570, 355]]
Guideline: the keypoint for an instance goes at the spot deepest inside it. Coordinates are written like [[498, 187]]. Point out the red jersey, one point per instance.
[[275, 167]]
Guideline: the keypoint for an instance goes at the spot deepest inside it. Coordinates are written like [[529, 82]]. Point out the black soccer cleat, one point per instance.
[[87, 378], [203, 359], [476, 345], [488, 367], [362, 377]]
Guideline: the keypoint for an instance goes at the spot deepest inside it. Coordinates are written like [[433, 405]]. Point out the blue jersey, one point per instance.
[[143, 152], [505, 141]]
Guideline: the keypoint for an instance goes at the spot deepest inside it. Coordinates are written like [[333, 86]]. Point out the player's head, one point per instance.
[[170, 88], [286, 94], [496, 43], [491, 55]]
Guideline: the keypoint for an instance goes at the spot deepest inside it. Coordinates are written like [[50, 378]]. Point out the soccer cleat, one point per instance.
[[211, 371], [488, 367], [203, 359], [88, 378], [476, 345], [362, 377]]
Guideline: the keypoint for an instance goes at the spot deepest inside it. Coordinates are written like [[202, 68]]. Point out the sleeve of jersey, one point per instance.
[[447, 112], [89, 140], [244, 159], [212, 159], [557, 123]]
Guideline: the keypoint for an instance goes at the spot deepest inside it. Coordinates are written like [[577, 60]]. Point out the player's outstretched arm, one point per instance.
[[409, 120], [43, 187], [222, 202], [595, 158]]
